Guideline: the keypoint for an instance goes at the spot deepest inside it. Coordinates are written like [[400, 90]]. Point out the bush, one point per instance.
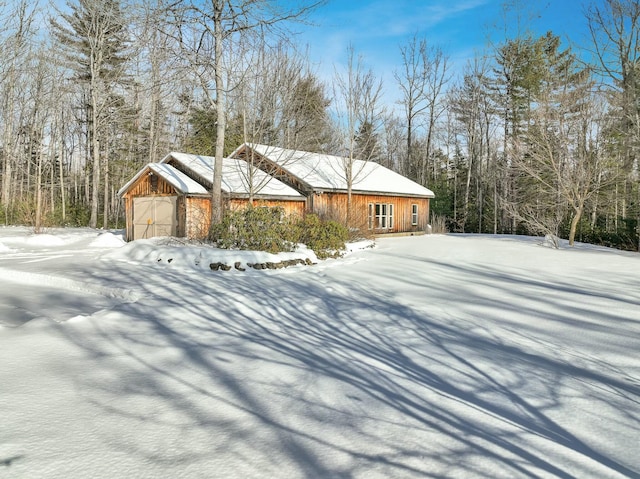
[[324, 237], [266, 229], [439, 225], [260, 229], [625, 238]]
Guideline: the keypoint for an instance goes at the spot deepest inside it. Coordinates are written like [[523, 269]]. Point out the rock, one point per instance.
[[225, 267], [237, 265]]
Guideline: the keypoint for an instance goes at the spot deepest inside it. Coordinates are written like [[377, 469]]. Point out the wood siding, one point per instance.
[[197, 213], [193, 212], [334, 206], [291, 208]]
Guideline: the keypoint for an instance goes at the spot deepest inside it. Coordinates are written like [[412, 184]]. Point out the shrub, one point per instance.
[[266, 229], [439, 225], [260, 229], [324, 237]]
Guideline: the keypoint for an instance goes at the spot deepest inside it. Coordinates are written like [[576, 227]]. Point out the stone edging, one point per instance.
[[268, 265]]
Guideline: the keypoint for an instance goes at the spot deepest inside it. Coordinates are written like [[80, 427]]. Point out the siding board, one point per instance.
[[334, 206]]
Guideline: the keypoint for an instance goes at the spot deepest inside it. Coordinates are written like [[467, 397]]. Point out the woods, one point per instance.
[[534, 135]]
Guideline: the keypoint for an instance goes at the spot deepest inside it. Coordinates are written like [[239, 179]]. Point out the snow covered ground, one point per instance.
[[434, 356]]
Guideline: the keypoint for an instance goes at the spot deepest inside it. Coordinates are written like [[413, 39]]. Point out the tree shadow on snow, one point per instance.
[[292, 375]]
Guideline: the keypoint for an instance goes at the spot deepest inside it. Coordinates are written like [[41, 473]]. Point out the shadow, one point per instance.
[[315, 373], [10, 460]]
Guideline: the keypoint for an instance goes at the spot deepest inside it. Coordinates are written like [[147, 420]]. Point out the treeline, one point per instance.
[[532, 137]]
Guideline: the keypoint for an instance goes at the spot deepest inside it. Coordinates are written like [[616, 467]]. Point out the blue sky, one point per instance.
[[377, 28]]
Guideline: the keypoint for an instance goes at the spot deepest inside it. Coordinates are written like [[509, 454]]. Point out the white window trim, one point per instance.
[[381, 216], [414, 214]]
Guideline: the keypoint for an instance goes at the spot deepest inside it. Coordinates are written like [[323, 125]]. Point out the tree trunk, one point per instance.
[[638, 224], [105, 210], [62, 192], [216, 192], [465, 210], [574, 223], [95, 155], [38, 219]]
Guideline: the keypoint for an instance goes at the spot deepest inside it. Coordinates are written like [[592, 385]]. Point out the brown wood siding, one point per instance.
[[291, 208], [198, 217], [334, 206]]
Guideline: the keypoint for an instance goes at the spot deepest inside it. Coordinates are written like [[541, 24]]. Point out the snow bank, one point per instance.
[[165, 251], [44, 240], [108, 240]]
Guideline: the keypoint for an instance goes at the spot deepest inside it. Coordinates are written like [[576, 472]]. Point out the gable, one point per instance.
[[307, 171], [276, 168], [171, 178], [238, 177]]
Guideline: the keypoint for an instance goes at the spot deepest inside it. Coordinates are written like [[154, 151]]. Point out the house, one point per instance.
[[382, 200], [173, 197]]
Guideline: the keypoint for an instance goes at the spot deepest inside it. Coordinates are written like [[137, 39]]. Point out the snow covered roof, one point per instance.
[[171, 175], [237, 176], [327, 172]]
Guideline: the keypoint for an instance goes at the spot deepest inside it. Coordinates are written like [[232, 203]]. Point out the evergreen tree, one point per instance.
[[562, 167], [93, 37], [367, 143], [308, 127]]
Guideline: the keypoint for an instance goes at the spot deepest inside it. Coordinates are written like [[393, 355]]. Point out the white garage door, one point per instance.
[[154, 216]]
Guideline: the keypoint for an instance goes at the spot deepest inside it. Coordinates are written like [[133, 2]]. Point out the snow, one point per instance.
[[108, 240], [326, 172], [436, 356], [235, 175], [174, 177]]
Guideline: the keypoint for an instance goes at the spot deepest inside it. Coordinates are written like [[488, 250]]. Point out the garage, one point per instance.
[[154, 216]]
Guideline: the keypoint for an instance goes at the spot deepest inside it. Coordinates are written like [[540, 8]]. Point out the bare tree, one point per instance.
[[468, 102], [422, 79], [159, 73], [207, 31], [358, 104], [15, 46], [413, 81], [278, 102], [615, 31]]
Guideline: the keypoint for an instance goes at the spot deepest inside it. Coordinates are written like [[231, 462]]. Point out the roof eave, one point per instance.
[[375, 193], [244, 196]]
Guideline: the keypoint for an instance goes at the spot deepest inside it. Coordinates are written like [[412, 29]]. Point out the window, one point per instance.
[[414, 215], [154, 182], [381, 216]]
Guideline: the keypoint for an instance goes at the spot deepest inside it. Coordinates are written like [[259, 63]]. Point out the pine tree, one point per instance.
[[308, 127], [93, 37], [562, 167]]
